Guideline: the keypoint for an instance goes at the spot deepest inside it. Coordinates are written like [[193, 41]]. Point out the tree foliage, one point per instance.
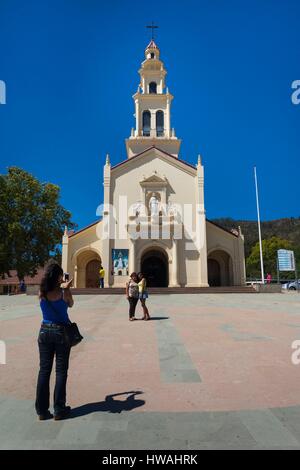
[[269, 250], [31, 222], [287, 229]]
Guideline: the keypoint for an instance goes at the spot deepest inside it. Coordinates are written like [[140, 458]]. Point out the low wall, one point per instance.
[[32, 290], [268, 288]]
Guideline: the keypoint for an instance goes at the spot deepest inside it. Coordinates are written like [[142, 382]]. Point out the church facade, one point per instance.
[[153, 214]]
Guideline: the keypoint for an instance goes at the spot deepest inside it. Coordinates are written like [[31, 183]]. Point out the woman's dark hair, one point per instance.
[[140, 274], [49, 281], [134, 274]]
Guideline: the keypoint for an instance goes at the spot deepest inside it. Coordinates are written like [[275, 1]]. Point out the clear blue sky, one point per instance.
[[70, 68]]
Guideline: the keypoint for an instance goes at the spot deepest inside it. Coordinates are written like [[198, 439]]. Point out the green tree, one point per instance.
[[297, 257], [4, 213], [269, 249], [31, 222]]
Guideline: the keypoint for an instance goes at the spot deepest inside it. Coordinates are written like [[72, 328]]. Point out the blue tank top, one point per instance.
[[55, 311]]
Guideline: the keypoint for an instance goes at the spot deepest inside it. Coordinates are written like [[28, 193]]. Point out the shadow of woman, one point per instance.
[[110, 405], [159, 318]]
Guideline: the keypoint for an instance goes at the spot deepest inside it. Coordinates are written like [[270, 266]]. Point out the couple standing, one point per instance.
[[135, 291]]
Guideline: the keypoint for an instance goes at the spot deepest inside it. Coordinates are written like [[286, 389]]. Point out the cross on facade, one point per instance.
[[152, 27]]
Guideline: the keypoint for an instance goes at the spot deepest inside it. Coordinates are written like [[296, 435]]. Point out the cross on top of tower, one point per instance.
[[153, 26]]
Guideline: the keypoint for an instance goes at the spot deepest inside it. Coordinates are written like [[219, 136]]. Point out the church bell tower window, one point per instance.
[[146, 123], [159, 123], [152, 87]]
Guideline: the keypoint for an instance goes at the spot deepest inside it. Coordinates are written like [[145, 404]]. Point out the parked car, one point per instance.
[[292, 285]]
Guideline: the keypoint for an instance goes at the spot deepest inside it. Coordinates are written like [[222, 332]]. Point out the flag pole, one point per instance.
[[259, 231]]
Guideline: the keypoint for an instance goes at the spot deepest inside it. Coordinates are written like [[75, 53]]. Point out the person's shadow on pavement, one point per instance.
[[159, 318], [110, 405]]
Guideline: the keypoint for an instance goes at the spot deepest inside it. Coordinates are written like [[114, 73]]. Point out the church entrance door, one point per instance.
[[154, 266], [214, 273], [92, 273], [220, 268]]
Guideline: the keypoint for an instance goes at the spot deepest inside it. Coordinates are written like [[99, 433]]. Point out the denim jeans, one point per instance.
[[102, 282], [52, 343]]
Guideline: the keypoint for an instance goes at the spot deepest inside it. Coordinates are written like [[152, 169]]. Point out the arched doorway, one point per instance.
[[154, 265], [214, 273], [84, 275], [92, 273], [220, 269]]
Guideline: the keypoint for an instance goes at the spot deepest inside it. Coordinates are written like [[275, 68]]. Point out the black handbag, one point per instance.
[[71, 330], [72, 334]]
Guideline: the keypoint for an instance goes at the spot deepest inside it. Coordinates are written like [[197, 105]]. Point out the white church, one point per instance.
[[153, 214]]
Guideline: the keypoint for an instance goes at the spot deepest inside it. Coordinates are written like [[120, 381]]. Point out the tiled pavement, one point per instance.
[[209, 371]]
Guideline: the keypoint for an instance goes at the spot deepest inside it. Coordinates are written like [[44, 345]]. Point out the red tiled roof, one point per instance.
[[144, 151], [207, 220], [222, 228], [82, 229]]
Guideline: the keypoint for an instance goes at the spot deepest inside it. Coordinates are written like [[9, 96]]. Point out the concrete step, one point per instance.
[[168, 290]]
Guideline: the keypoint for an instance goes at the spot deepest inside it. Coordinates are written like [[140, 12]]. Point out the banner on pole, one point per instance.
[[286, 260]]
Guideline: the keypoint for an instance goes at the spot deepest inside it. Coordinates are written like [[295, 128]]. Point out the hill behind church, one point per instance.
[[287, 228]]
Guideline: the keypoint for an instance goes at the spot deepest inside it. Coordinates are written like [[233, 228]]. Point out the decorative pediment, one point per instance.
[[154, 180]]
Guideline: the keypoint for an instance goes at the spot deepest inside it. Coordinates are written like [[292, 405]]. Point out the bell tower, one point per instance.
[[152, 108]]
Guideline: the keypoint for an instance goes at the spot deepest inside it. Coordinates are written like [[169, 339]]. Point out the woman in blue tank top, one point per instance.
[[55, 298]]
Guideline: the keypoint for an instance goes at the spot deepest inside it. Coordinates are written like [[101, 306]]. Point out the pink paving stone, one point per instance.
[[121, 356]]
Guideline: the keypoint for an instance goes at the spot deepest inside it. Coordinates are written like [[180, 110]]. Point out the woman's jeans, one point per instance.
[[132, 305], [52, 343]]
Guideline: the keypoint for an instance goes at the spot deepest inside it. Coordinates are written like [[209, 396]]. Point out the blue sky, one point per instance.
[[70, 67]]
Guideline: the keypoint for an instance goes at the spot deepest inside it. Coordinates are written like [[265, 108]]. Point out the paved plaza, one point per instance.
[[209, 371]]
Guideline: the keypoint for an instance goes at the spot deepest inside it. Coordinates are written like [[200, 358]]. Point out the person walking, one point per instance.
[[101, 275], [143, 295], [55, 298], [132, 294]]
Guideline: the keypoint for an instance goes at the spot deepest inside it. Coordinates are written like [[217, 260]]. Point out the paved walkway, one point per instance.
[[208, 371]]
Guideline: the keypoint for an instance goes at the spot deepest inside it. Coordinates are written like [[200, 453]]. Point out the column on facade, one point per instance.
[[143, 216], [167, 124], [174, 269], [132, 255], [201, 226], [137, 117], [234, 261], [75, 275], [106, 225], [64, 255], [164, 195], [153, 124], [242, 257]]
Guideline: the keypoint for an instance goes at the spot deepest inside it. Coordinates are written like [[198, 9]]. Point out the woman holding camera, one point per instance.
[[55, 299]]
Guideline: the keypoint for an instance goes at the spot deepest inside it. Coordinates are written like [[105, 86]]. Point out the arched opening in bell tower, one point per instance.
[[146, 123], [159, 123], [152, 88]]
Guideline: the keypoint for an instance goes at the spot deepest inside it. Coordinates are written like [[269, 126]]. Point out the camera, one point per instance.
[[66, 277]]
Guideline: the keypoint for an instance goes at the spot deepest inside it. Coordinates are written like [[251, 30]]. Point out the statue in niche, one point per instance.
[[154, 205]]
